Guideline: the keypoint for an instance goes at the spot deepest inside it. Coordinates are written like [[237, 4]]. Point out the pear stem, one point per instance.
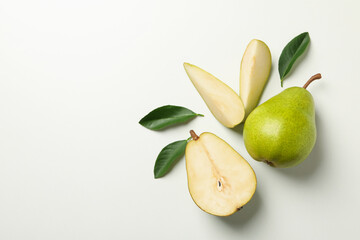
[[193, 135], [315, 77]]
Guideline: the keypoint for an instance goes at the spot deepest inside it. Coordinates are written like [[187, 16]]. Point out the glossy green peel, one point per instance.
[[282, 131]]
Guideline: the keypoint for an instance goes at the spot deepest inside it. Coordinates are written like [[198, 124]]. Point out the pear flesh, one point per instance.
[[222, 101], [282, 130], [220, 180], [254, 73]]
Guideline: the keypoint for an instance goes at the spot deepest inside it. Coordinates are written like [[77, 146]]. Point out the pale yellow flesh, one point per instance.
[[210, 160], [254, 73], [222, 101]]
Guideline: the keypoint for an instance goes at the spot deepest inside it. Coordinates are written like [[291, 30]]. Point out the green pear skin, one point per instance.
[[282, 130]]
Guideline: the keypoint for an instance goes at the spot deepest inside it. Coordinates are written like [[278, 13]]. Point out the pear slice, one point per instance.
[[222, 101], [254, 73], [220, 180]]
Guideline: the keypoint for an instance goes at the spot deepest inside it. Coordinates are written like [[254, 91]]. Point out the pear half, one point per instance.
[[222, 101], [254, 72], [220, 180]]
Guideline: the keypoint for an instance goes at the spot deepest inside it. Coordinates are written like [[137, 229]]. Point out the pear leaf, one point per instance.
[[166, 116], [167, 157], [292, 51]]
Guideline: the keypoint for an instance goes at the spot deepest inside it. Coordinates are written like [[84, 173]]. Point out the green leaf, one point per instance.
[[167, 115], [292, 51], [168, 156]]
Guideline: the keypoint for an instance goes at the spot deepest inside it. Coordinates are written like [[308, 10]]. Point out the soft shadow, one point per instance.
[[268, 80], [310, 165], [245, 215], [239, 128]]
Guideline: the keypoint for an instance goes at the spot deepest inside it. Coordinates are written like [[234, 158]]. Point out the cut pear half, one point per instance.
[[222, 101], [254, 73], [220, 180]]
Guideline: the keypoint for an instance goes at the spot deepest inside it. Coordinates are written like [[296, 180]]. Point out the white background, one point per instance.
[[77, 76]]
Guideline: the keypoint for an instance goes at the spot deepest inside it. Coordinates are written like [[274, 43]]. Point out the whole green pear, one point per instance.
[[282, 130]]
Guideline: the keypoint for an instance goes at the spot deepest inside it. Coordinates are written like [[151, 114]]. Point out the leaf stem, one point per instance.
[[193, 135], [200, 115], [313, 78]]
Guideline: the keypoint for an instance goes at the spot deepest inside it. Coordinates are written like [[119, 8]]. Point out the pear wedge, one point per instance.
[[220, 180], [254, 72], [222, 101]]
